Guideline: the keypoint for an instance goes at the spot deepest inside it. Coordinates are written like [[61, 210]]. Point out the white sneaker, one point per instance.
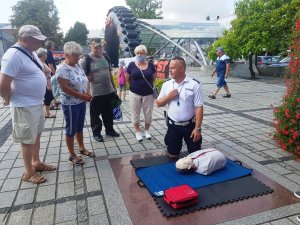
[[147, 134], [139, 136]]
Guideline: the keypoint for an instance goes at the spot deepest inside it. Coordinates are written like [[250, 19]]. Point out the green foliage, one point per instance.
[[287, 114], [158, 82], [77, 33], [41, 13], [145, 9], [259, 24]]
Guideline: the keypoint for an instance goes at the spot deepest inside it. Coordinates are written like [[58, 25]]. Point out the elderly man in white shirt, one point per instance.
[[23, 86]]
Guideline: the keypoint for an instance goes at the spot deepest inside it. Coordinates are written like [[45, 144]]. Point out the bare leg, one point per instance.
[[27, 152], [36, 152], [216, 91], [226, 89], [137, 127], [120, 94], [147, 126], [70, 145], [79, 139]]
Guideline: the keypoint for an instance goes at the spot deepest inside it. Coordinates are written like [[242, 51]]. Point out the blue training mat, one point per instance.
[[161, 177]]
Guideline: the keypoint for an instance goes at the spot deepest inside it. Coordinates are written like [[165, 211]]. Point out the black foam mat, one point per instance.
[[218, 194]]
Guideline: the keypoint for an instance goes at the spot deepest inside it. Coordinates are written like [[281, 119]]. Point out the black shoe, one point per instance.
[[212, 96], [98, 137], [113, 133], [227, 96]]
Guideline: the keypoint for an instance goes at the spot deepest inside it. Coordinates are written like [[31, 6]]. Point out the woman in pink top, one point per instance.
[[122, 80]]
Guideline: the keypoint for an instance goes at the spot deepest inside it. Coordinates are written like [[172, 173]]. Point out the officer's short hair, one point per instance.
[[181, 60]]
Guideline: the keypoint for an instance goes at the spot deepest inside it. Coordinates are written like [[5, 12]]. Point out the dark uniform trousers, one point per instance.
[[101, 105], [176, 133]]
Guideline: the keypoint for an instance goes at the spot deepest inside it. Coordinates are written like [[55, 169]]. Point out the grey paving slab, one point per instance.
[[43, 215], [96, 205], [283, 222], [20, 217], [45, 193], [25, 196], [65, 189], [93, 184], [99, 219], [117, 211], [7, 198], [6, 164], [278, 169], [66, 212], [4, 173], [65, 176], [16, 172], [10, 185]]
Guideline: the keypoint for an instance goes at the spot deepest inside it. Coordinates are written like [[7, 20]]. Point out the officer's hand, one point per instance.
[[172, 94], [196, 135]]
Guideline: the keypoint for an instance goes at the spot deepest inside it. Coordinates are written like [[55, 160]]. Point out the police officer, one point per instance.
[[184, 98]]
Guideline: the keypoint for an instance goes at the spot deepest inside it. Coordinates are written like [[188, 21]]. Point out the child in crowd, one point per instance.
[[122, 80]]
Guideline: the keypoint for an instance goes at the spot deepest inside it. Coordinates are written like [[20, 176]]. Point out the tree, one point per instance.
[[145, 9], [77, 33], [259, 24], [41, 13]]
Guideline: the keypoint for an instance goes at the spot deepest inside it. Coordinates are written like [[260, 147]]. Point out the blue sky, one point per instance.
[[93, 12]]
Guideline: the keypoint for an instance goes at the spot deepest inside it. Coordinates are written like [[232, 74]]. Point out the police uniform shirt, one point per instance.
[[182, 107]]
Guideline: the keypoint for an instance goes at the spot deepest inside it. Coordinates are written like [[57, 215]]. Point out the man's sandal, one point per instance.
[[87, 153], [44, 167], [75, 160], [35, 178]]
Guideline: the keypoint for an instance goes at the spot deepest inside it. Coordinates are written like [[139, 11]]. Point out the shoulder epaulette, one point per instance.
[[196, 80]]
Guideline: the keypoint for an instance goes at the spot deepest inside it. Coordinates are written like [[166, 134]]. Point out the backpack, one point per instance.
[[88, 60]]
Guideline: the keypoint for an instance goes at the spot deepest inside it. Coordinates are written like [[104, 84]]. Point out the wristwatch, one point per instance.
[[198, 129]]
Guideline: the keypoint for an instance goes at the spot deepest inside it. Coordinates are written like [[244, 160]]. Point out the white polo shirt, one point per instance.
[[29, 82], [190, 96]]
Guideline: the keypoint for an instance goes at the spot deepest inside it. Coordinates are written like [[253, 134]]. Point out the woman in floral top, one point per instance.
[[74, 95]]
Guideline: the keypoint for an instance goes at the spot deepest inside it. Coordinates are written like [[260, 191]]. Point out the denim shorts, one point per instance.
[[122, 87], [221, 80], [74, 117]]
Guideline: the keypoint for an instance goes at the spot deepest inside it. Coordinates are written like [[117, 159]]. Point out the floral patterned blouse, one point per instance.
[[77, 80]]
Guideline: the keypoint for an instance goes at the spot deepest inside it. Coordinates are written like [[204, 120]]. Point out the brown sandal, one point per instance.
[[35, 178], [87, 153], [44, 167]]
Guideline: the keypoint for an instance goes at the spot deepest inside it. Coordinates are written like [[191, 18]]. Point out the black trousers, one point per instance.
[[101, 105], [174, 136]]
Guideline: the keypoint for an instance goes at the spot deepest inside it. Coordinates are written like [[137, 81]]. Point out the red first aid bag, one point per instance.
[[181, 196]]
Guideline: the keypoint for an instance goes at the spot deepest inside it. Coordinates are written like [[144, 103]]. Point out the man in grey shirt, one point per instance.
[[102, 89]]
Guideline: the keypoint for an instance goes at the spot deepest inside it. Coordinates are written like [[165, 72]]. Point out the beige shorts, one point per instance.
[[27, 123], [138, 103]]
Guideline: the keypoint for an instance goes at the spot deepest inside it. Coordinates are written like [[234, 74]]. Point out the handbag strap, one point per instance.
[[146, 80], [30, 56]]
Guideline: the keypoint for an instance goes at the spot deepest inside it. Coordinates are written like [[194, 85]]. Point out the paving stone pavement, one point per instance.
[[239, 125]]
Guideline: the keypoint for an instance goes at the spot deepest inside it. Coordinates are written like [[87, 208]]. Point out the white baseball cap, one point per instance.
[[31, 31]]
